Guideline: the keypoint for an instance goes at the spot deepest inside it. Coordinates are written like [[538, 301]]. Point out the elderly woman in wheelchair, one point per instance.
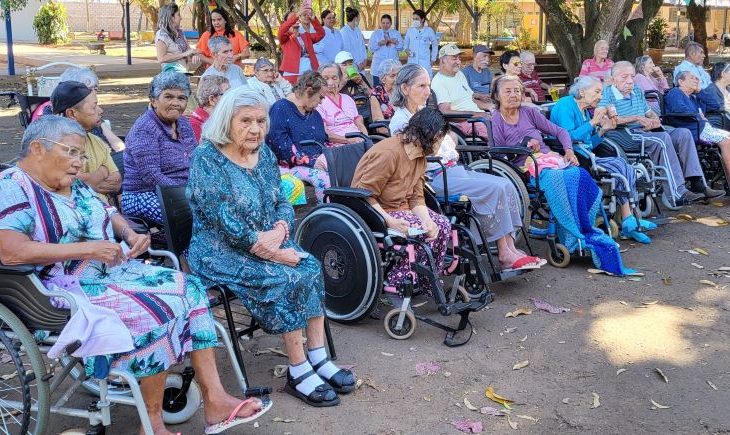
[[241, 224], [494, 199], [50, 219]]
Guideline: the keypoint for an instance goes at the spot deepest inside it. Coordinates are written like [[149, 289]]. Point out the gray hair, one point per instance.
[[51, 127], [693, 48], [217, 43], [261, 63], [582, 83], [388, 66], [599, 42], [82, 74], [526, 55], [169, 80], [217, 128], [331, 65], [406, 76], [209, 86], [682, 75], [640, 63], [164, 19], [619, 65]]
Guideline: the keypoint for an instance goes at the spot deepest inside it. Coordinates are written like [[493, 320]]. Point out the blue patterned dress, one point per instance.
[[230, 206], [165, 311]]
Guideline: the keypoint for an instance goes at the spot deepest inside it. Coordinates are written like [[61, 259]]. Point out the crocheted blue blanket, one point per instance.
[[575, 200]]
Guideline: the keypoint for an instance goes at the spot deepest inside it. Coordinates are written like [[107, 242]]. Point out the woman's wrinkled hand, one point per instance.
[[138, 243], [268, 242], [288, 257], [534, 145], [571, 158], [107, 252], [400, 225], [432, 230]]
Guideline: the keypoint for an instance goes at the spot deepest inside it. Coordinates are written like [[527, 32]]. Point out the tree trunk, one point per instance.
[[698, 17], [632, 47], [604, 20], [149, 11], [464, 26], [268, 40]]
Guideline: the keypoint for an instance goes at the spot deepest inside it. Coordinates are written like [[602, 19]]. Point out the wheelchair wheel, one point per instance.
[[645, 205], [351, 264], [391, 321], [177, 408], [503, 169], [669, 205], [22, 379], [114, 387], [560, 258]]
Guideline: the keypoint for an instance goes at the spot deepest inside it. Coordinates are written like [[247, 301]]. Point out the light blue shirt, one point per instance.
[[699, 71], [383, 52], [235, 75], [329, 46], [354, 43]]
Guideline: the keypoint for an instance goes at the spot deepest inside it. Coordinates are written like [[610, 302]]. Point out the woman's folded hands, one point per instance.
[[268, 247]]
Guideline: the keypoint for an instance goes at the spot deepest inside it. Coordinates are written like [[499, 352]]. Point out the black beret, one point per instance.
[[68, 94]]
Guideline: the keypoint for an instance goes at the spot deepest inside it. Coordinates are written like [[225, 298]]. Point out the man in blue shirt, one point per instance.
[[478, 74], [694, 57], [630, 110]]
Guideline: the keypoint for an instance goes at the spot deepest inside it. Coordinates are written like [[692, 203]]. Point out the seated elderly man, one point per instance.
[[75, 101], [478, 74], [682, 99], [694, 57], [268, 82], [453, 94], [210, 89], [223, 64], [529, 77], [353, 81], [634, 114], [87, 77]]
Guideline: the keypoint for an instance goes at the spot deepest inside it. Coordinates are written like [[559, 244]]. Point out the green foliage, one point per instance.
[[50, 23], [11, 5], [525, 42], [656, 33]]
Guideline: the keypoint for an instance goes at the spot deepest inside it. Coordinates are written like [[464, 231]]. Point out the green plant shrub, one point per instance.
[[656, 33], [525, 42], [50, 23]]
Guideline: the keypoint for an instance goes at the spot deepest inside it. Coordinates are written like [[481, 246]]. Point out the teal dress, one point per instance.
[[230, 205]]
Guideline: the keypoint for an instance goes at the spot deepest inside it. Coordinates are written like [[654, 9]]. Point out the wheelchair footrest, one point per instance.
[[257, 391]]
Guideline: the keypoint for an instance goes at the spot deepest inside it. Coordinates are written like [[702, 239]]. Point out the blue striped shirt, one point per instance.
[[633, 105]]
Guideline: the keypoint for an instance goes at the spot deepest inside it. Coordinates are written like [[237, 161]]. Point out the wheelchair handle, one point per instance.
[[379, 124], [357, 134], [437, 160]]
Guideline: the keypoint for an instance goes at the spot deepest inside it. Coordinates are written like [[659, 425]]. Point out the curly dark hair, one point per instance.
[[228, 29], [351, 14], [425, 128], [506, 57], [310, 83]]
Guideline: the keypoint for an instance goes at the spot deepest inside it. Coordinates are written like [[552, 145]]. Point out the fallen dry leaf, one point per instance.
[[566, 400], [661, 373], [708, 282], [9, 376], [427, 368], [712, 385], [521, 365], [522, 340], [545, 306], [426, 398], [283, 420], [622, 302], [718, 203], [491, 395], [490, 410], [527, 417], [280, 370], [386, 354], [512, 424], [689, 251], [650, 303], [596, 401], [713, 221], [684, 217], [699, 266], [468, 426], [469, 406], [658, 406], [701, 251], [667, 280], [271, 350], [619, 371], [518, 312]]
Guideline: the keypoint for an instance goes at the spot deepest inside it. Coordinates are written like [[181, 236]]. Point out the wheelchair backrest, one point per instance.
[[177, 217], [28, 104], [342, 162], [20, 293], [45, 84]]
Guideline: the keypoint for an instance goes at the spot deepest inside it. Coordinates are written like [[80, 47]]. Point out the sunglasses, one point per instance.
[[70, 152]]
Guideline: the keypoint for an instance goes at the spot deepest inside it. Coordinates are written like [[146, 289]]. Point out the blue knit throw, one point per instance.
[[575, 200]]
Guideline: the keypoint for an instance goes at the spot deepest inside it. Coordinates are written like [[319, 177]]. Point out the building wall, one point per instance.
[[109, 16], [22, 24]]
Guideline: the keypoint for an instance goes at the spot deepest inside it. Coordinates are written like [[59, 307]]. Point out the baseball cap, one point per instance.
[[449, 50], [343, 57], [67, 95], [481, 48]]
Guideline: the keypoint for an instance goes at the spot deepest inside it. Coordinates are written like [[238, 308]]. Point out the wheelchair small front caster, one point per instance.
[[97, 429], [559, 257], [179, 406], [391, 321]]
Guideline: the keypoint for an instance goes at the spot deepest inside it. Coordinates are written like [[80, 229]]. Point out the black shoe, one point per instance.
[[713, 193], [342, 382], [322, 396], [689, 198]]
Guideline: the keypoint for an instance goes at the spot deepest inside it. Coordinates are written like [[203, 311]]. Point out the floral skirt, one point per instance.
[[318, 178], [165, 311], [143, 205]]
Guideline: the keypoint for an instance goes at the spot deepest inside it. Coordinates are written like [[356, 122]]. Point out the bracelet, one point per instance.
[[286, 228]]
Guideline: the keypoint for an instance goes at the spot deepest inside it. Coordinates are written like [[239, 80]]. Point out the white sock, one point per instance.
[[327, 370], [310, 383]]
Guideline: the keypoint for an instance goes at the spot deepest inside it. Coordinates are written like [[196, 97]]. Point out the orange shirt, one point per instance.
[[237, 41]]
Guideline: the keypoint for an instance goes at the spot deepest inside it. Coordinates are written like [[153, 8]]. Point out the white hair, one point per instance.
[[217, 43], [51, 127], [217, 128], [80, 74], [526, 55], [582, 83], [387, 66]]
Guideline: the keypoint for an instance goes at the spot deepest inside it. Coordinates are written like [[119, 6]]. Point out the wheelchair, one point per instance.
[[35, 388], [357, 250]]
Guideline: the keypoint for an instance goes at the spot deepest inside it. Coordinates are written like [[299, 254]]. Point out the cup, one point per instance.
[[554, 93], [351, 71]]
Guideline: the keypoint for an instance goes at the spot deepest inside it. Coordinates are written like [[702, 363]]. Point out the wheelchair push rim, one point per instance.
[[351, 263]]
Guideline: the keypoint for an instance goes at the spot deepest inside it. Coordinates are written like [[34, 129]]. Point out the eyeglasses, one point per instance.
[[517, 63], [71, 152]]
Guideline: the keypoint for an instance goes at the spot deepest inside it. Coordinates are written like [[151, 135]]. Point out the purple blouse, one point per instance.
[[153, 157], [532, 124]]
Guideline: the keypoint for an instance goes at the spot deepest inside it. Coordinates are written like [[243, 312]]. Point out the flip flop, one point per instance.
[[233, 420], [523, 263]]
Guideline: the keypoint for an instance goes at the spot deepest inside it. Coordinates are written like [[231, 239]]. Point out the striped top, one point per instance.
[[632, 105], [592, 68]]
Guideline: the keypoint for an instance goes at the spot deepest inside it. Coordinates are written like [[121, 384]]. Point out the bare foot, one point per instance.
[[220, 409], [157, 429]]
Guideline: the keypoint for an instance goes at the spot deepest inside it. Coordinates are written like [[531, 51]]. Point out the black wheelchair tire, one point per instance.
[[350, 257]]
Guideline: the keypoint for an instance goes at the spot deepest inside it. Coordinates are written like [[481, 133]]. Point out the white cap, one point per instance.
[[343, 57]]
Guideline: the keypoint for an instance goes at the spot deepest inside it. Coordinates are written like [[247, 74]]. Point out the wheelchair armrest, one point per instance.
[[348, 192], [19, 269], [379, 124], [680, 115], [475, 119], [510, 150], [433, 159], [310, 142], [357, 134]]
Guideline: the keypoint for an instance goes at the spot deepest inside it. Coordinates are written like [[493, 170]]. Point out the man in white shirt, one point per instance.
[[453, 94]]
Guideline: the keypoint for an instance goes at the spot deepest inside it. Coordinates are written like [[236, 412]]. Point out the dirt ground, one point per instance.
[[592, 369]]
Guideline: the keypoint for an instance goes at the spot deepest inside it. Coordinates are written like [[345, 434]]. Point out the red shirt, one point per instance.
[[197, 119], [533, 82], [291, 51]]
